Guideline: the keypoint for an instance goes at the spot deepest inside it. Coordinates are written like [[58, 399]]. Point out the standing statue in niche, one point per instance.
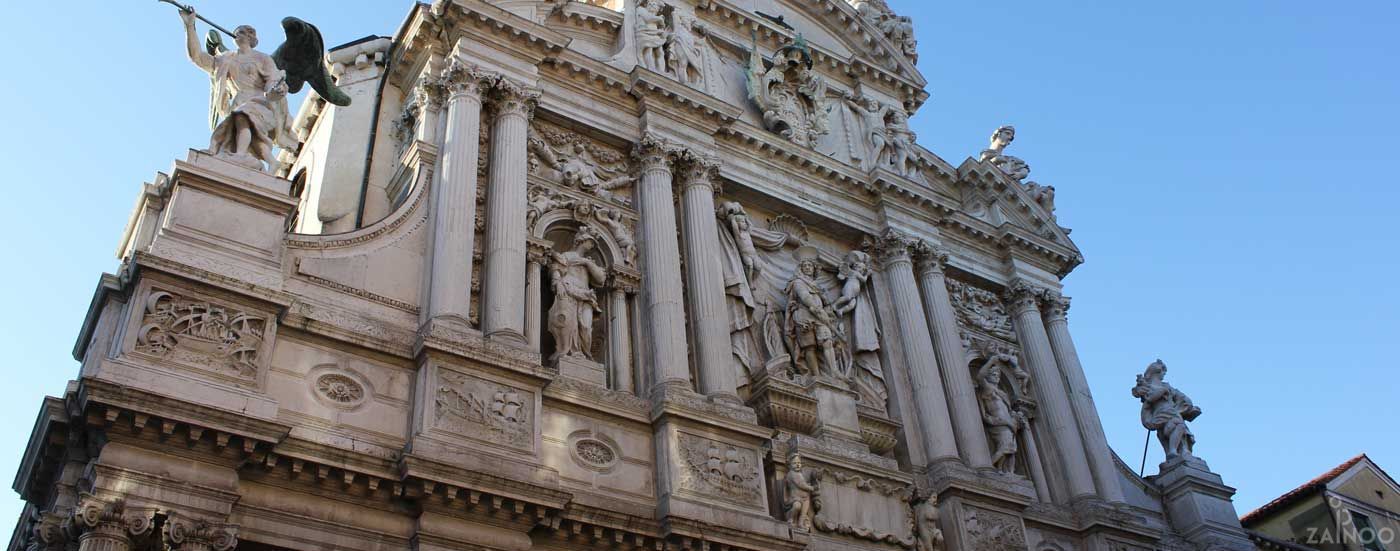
[[1166, 410], [685, 54], [652, 35], [798, 491], [861, 331], [575, 275], [811, 323], [928, 536], [995, 153], [1002, 422], [248, 89]]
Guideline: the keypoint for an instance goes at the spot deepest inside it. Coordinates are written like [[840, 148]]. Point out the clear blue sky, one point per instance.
[[1228, 169]]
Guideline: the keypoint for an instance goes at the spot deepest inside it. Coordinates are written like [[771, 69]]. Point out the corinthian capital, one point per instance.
[[190, 534], [1023, 296], [1056, 306], [698, 168], [513, 98], [654, 153], [429, 93], [930, 257], [110, 518], [465, 79], [891, 247]]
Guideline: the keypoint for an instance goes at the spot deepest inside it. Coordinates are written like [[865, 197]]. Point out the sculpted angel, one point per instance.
[[862, 331], [652, 35], [929, 537], [248, 89], [798, 491]]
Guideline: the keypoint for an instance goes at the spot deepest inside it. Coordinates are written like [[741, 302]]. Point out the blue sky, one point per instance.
[[1228, 169]]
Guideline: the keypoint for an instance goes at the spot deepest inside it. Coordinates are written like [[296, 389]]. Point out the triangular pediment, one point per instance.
[[991, 196]]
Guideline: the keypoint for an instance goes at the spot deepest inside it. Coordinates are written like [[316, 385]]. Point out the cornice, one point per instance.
[[499, 28]]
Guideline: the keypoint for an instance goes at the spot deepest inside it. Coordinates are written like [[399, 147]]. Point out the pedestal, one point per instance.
[[1198, 504], [583, 369], [836, 409]]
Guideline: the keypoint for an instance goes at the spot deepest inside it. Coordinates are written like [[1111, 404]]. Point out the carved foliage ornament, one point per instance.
[[202, 333]]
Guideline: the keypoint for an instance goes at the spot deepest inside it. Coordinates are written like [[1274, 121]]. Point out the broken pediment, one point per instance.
[[990, 195]]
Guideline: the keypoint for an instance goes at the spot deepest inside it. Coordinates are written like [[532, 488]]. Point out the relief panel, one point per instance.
[[207, 335], [484, 410], [717, 470]]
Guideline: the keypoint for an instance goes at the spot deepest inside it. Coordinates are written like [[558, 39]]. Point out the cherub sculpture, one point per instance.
[[798, 491], [248, 89]]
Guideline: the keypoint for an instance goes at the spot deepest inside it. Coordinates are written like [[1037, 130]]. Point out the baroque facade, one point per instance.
[[641, 274]]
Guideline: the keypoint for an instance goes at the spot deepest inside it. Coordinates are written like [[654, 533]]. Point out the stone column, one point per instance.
[[1081, 400], [502, 294], [109, 525], [1037, 469], [947, 342], [704, 281], [620, 333], [926, 384], [1050, 388], [663, 312], [534, 261], [454, 200], [187, 534]]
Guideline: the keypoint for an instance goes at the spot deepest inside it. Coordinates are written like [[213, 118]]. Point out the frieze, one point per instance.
[[483, 409], [980, 309], [201, 333], [720, 470], [988, 530]]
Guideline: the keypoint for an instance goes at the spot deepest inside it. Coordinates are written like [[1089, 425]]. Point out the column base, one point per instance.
[[509, 337]]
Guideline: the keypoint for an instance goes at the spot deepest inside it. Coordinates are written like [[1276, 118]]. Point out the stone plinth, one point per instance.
[[1198, 503], [583, 369], [836, 409]]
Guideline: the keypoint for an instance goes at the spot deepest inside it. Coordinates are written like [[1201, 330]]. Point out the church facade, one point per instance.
[[642, 274]]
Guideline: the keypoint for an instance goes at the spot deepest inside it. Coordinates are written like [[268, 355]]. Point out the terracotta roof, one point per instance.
[[1300, 492], [1268, 543]]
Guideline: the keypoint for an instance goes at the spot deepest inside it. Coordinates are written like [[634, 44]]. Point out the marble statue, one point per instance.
[[929, 537], [798, 491], [685, 54], [995, 153], [579, 168], [612, 220], [1166, 410], [861, 330], [575, 276], [540, 201], [652, 35], [739, 225], [789, 93], [871, 114], [248, 89], [754, 326], [900, 30], [811, 323], [1002, 422], [901, 143]]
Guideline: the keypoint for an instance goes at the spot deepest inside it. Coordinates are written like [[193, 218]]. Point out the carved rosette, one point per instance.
[[338, 388], [189, 534], [595, 454], [109, 524]]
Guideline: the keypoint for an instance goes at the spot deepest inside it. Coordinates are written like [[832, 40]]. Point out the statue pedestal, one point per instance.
[[582, 369], [1198, 504], [836, 409]]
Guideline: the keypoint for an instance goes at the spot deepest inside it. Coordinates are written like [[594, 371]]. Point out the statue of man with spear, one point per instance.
[[248, 89]]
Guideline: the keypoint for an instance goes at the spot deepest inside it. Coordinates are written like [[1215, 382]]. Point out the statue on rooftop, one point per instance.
[[248, 89], [1166, 410], [995, 153]]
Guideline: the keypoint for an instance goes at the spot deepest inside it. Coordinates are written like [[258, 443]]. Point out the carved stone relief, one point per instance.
[[846, 500], [576, 162], [720, 470], [202, 333], [338, 388], [483, 409], [594, 453], [980, 309], [792, 97], [988, 530]]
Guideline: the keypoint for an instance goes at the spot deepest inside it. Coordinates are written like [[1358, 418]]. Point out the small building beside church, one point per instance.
[[1353, 507]]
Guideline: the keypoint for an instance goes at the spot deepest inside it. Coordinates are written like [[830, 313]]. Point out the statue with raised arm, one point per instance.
[[871, 114], [861, 329], [248, 89], [1166, 410]]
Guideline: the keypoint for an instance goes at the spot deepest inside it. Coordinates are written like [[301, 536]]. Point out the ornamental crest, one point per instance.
[[201, 333], [791, 96]]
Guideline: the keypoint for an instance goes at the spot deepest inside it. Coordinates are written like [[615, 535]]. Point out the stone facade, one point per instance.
[[657, 274]]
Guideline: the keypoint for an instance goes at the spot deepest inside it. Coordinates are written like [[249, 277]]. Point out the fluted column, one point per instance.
[[1081, 399], [503, 295], [620, 333], [454, 200], [1050, 388], [1042, 486], [661, 266], [926, 384], [109, 525], [534, 261], [704, 281], [947, 343], [189, 534]]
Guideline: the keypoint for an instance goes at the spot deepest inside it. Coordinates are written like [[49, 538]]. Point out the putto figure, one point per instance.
[[798, 491], [574, 276], [1166, 410], [248, 89]]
